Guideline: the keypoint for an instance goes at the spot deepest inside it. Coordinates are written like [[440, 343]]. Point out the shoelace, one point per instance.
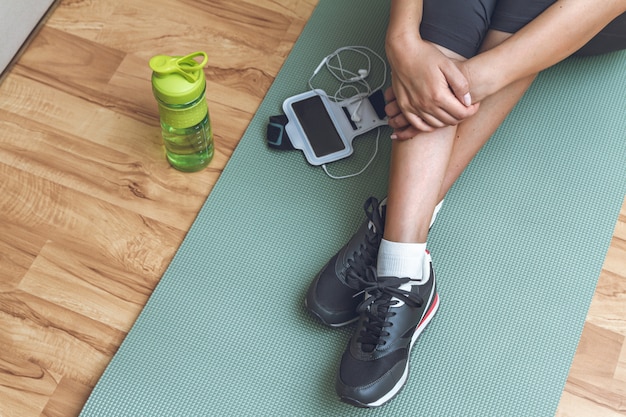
[[376, 307], [365, 255]]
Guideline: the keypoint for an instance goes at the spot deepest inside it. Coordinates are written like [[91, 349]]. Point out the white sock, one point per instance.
[[401, 260]]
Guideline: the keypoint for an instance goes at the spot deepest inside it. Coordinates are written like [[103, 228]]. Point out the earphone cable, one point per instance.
[[343, 177], [348, 81]]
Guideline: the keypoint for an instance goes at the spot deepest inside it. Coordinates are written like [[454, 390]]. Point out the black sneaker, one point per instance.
[[375, 366], [336, 291]]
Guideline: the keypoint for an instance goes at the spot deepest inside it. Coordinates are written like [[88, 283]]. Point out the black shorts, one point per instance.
[[461, 25]]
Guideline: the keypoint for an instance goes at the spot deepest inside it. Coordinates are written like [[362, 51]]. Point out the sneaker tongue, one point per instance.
[[405, 287], [409, 285]]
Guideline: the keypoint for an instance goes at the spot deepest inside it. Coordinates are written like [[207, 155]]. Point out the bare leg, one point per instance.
[[417, 171], [424, 168], [418, 168]]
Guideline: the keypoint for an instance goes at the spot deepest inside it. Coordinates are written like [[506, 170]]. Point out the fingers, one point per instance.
[[408, 125], [441, 108], [439, 118], [389, 95], [424, 121], [402, 128], [405, 134], [458, 83], [421, 124]]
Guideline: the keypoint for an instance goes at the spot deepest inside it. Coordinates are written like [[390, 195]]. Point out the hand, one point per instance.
[[430, 89], [402, 130]]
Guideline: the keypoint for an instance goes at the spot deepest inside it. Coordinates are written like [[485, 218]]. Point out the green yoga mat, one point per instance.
[[517, 249]]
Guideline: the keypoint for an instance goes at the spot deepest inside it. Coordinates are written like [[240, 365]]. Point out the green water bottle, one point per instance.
[[179, 86]]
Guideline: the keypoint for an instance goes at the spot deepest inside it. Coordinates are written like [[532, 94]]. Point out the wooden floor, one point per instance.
[[91, 214]]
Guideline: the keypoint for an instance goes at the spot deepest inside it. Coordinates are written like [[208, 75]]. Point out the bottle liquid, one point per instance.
[[179, 86]]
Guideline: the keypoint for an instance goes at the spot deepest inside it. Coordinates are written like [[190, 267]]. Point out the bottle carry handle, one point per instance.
[[187, 66]]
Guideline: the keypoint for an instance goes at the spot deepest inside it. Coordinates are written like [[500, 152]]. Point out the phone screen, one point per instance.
[[318, 126]]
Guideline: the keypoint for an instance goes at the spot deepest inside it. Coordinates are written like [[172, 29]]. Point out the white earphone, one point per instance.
[[355, 117], [335, 67], [356, 83], [363, 73]]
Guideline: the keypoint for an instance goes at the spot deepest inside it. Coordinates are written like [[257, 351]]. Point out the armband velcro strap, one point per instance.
[[277, 137], [377, 99]]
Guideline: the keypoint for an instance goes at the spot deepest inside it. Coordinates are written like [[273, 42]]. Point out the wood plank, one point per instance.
[[18, 250], [68, 399]]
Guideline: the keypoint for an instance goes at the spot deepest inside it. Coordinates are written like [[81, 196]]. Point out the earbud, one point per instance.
[[363, 73], [355, 114]]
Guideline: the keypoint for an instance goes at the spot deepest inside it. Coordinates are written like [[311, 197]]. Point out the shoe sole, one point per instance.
[[396, 389]]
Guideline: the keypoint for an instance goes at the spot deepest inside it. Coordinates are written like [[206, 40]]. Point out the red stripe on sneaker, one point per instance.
[[430, 311]]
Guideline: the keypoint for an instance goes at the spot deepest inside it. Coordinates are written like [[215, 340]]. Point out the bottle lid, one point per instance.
[[178, 80]]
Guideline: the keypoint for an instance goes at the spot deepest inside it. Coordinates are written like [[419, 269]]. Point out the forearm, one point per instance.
[[553, 36], [405, 17]]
